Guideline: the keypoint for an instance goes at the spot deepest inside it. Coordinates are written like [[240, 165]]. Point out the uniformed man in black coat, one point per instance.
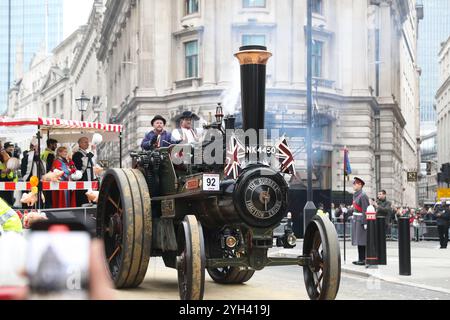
[[359, 222], [443, 221]]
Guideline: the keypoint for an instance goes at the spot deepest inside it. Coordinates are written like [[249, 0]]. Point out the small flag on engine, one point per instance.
[[286, 157], [235, 153]]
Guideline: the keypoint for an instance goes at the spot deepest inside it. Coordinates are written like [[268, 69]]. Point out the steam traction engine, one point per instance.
[[197, 219]]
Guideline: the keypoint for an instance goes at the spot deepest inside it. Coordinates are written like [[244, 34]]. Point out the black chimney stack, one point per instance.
[[253, 60], [230, 122]]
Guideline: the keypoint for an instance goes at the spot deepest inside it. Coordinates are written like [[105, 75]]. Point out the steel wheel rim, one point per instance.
[[113, 239], [322, 273]]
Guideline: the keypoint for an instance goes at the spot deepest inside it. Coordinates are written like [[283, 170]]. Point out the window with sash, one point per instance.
[[191, 6], [191, 59], [254, 3], [317, 59], [317, 6], [253, 39]]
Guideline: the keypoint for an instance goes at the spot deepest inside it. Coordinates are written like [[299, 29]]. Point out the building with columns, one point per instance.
[[44, 89], [163, 57], [443, 105]]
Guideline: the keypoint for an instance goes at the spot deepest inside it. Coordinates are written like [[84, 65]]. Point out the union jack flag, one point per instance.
[[286, 158], [235, 153]]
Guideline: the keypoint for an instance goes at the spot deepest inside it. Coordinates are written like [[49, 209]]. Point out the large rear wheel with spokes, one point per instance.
[[124, 223]]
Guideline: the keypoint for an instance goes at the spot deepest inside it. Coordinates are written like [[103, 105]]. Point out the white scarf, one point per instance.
[[85, 167], [32, 170]]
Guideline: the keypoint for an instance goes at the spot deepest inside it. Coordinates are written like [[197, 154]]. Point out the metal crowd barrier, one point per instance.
[[340, 229], [426, 231]]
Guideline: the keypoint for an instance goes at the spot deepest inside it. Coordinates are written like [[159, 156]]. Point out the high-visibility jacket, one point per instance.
[[320, 212], [46, 153], [10, 176], [9, 219]]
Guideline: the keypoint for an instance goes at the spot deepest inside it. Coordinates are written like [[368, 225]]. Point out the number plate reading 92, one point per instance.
[[211, 182]]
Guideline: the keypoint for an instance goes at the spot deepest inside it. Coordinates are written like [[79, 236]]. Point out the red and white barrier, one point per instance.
[[51, 186], [71, 185]]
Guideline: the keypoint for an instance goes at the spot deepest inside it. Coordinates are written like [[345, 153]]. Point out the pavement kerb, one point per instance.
[[368, 275]]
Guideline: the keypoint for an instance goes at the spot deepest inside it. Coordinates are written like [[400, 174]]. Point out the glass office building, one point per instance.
[[35, 25], [433, 30]]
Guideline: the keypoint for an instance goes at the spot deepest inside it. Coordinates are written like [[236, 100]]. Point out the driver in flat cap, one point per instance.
[[186, 134], [359, 223], [159, 137]]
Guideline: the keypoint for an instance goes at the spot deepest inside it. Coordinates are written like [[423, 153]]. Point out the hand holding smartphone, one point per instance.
[[57, 262]]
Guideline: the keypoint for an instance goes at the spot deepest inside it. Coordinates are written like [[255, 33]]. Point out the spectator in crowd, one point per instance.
[[64, 198], [48, 156], [423, 211], [399, 213], [6, 173], [430, 215], [418, 226], [9, 148], [443, 221], [320, 211], [31, 165], [383, 207], [333, 213], [341, 213]]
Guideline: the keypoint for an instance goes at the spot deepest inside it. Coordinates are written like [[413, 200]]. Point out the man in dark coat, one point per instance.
[[85, 162], [383, 206], [443, 221], [158, 137], [359, 223]]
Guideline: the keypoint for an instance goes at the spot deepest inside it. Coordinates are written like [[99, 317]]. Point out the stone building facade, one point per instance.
[[443, 105], [162, 57]]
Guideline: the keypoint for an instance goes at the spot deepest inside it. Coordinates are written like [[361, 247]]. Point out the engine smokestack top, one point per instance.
[[253, 60]]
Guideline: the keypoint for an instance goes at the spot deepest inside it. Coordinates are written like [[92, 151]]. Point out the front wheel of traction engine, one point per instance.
[[124, 223], [322, 276], [191, 259]]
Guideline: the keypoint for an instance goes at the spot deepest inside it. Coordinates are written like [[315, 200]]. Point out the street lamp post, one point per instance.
[[310, 209], [82, 103]]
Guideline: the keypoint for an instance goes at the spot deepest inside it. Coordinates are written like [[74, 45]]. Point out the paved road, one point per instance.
[[276, 283]]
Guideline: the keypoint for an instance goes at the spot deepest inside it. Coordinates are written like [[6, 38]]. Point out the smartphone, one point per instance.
[[57, 263]]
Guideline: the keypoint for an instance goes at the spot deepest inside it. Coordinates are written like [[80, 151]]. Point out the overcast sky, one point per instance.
[[76, 13]]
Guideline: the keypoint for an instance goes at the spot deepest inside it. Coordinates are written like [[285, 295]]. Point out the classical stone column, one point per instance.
[[227, 65], [146, 63], [209, 42], [359, 49], [299, 44], [283, 55], [344, 45], [386, 38]]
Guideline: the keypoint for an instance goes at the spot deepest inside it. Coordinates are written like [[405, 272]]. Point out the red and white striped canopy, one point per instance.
[[49, 124]]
